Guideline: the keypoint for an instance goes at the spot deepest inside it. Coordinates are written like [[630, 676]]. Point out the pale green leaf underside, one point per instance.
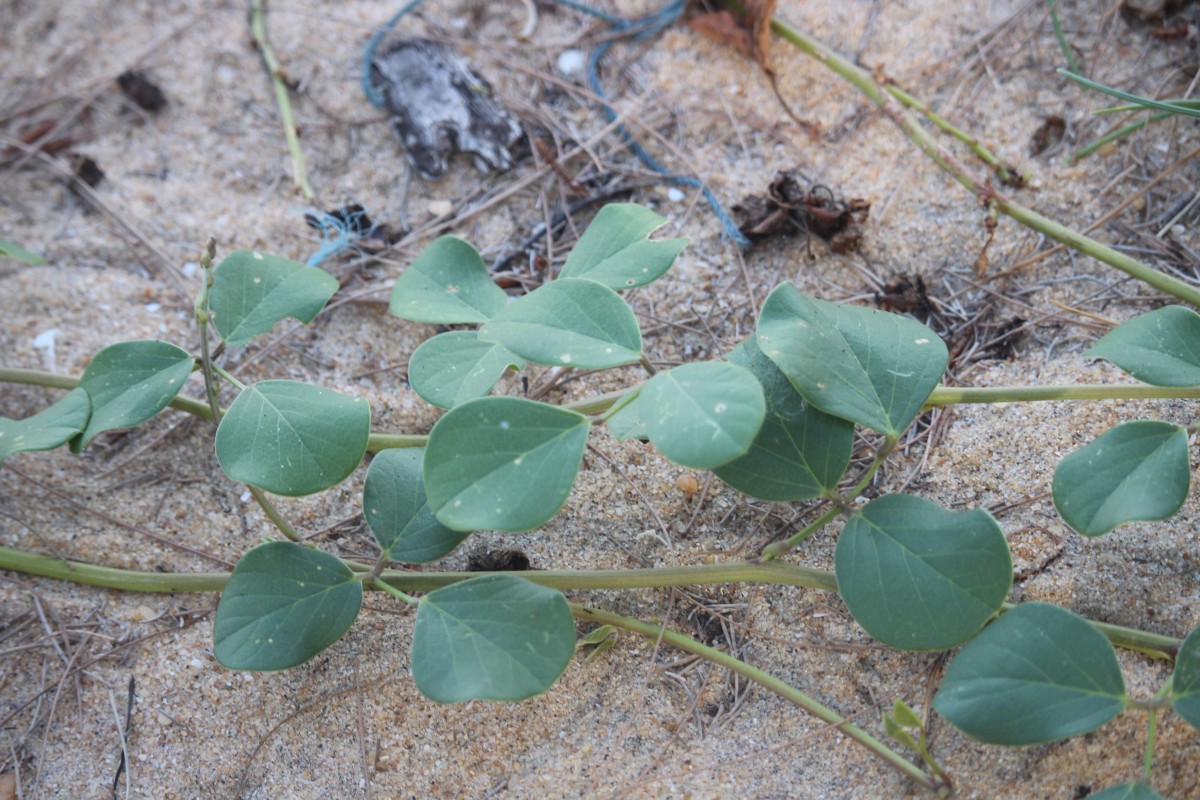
[[284, 603], [396, 509], [448, 284], [48, 429], [614, 249], [800, 452], [1161, 347], [870, 367], [1038, 674], [496, 637], [1135, 471], [624, 419], [292, 438], [130, 382], [502, 463], [569, 322], [702, 415], [921, 577], [1185, 685], [253, 291], [454, 367]]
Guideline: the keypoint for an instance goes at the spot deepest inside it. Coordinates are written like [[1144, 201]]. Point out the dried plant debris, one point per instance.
[[906, 293], [86, 170], [749, 32], [1048, 134], [498, 561], [440, 106], [1150, 11], [142, 91], [790, 206]]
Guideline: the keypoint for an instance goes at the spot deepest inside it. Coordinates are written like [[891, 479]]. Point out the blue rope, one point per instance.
[[337, 234], [373, 94], [636, 29]]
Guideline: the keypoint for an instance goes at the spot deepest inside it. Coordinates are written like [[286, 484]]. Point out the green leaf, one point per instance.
[[252, 291], [396, 509], [624, 420], [1161, 347], [1038, 674], [1127, 791], [614, 249], [569, 322], [130, 382], [703, 415], [448, 284], [47, 429], [284, 604], [1185, 683], [870, 367], [14, 250], [497, 637], [293, 438], [905, 716], [1135, 471], [502, 463], [800, 451], [454, 367], [921, 577]]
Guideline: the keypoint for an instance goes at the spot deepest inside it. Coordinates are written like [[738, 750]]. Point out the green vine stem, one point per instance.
[[941, 396], [774, 572], [1003, 172], [987, 194], [258, 29], [769, 682]]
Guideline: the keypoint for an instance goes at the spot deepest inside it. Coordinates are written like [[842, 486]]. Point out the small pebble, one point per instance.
[[570, 63], [441, 208], [674, 195]]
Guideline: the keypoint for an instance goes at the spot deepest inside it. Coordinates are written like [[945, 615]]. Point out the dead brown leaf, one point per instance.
[[750, 34]]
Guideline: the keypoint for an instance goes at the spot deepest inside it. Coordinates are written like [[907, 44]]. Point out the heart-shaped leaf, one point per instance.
[[396, 509], [497, 637], [1135, 471], [800, 452], [502, 463], [284, 604], [1185, 683], [129, 382], [1038, 674], [614, 249], [704, 414], [569, 322], [293, 438], [48, 429], [252, 291], [14, 250], [870, 367], [1161, 347], [921, 577], [1127, 791], [454, 367], [449, 284]]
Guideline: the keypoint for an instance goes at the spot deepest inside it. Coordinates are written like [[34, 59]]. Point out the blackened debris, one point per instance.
[[906, 293], [86, 170], [441, 106], [1048, 134], [142, 91], [789, 206], [351, 218], [498, 561]]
